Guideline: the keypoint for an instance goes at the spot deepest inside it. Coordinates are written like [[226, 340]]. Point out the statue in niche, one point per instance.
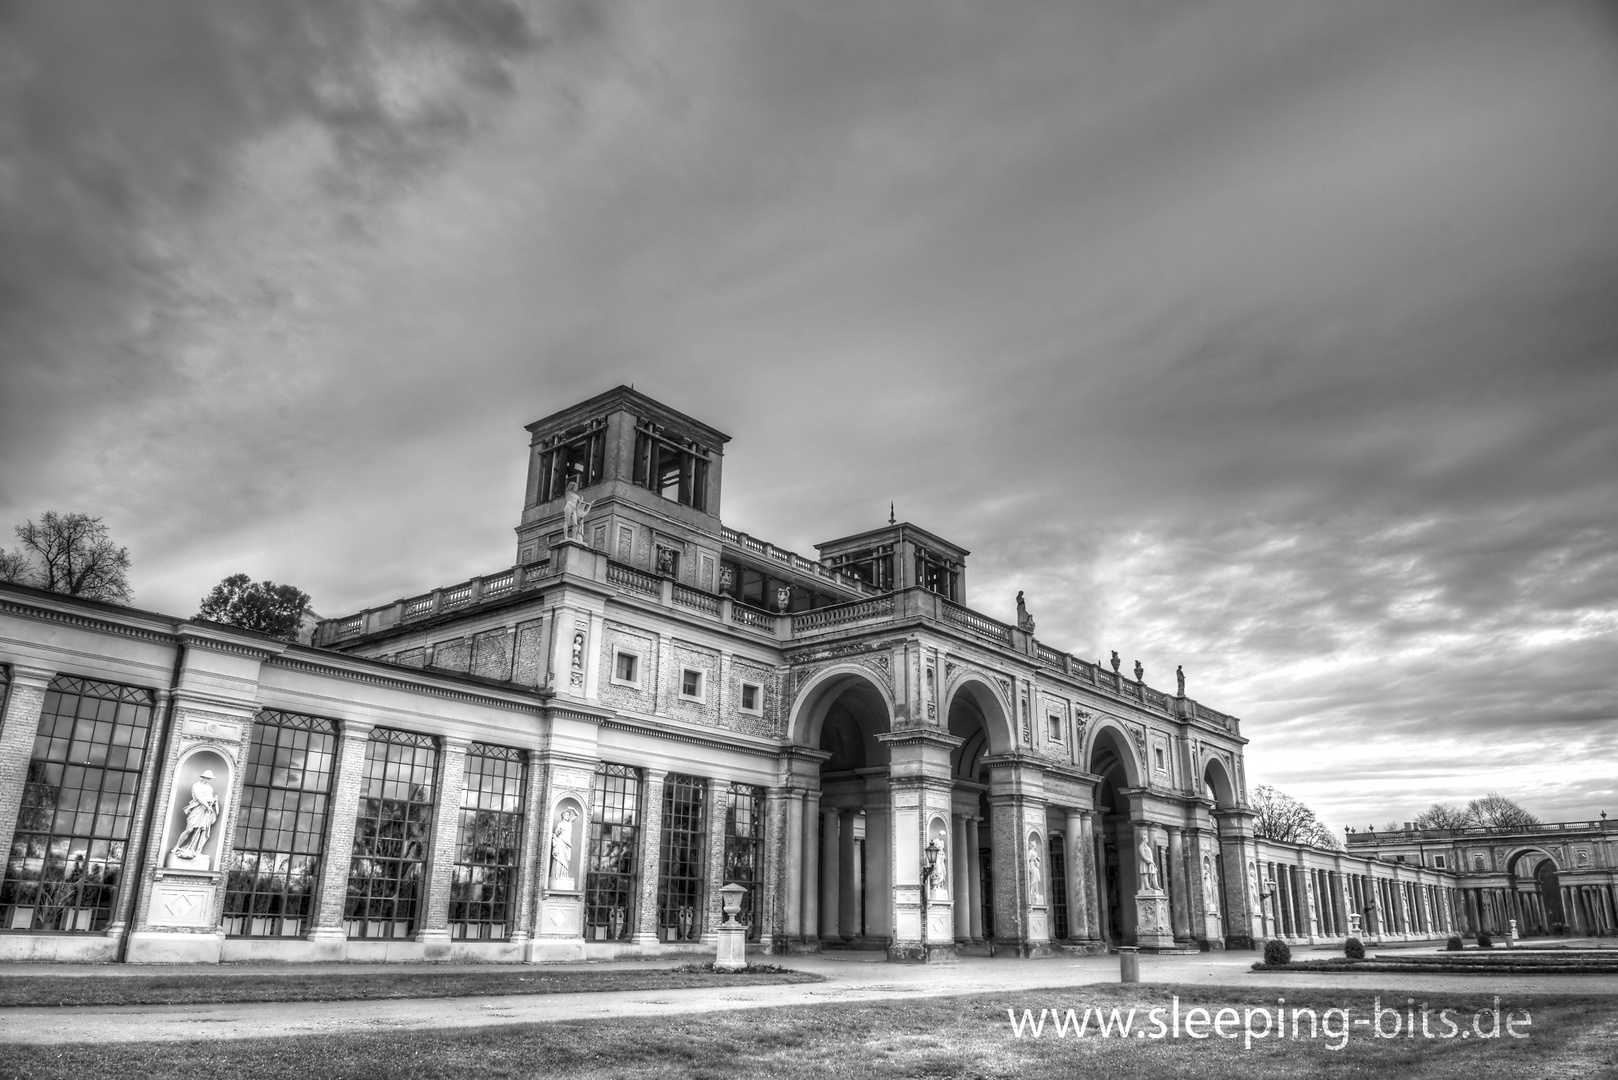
[[666, 562], [1210, 888], [200, 814], [1140, 672], [562, 849], [1146, 864], [1036, 875], [938, 879], [1179, 679], [1025, 621], [574, 508], [578, 650], [1116, 663]]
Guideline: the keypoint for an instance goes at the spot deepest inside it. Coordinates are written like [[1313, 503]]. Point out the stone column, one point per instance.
[[24, 701], [974, 880], [1075, 839], [960, 879], [348, 775], [533, 834], [811, 868], [848, 875], [1180, 901], [792, 884], [647, 858], [432, 926], [1093, 897], [831, 868], [713, 905], [1098, 853]]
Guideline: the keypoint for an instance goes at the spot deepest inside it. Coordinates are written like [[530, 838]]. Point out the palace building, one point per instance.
[[568, 758]]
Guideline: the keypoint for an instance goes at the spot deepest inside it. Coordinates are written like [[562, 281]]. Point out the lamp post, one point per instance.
[[928, 864]]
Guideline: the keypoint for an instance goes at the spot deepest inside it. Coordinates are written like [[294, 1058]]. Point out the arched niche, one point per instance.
[[565, 844], [204, 781]]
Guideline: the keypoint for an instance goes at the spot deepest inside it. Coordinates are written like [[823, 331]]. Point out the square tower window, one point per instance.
[[1053, 724], [750, 698], [691, 681], [676, 470], [626, 668], [580, 452]]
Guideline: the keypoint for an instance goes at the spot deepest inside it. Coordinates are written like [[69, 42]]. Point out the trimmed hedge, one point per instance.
[[1354, 949], [1277, 953], [1454, 944]]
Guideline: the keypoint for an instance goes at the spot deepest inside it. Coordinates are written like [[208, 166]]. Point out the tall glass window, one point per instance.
[[281, 828], [391, 835], [682, 847], [744, 851], [488, 846], [1058, 865], [78, 801], [611, 881]]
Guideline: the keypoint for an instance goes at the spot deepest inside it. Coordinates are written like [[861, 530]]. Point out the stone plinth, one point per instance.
[[732, 954], [1153, 930]]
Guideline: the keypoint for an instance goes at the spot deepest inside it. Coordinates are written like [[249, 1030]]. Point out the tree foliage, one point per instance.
[[1495, 811], [1443, 815], [264, 606], [1281, 817], [71, 554]]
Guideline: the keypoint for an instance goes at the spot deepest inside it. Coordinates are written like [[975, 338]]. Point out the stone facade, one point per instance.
[[887, 767]]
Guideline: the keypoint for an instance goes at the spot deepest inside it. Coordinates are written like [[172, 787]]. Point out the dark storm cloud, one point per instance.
[[1277, 339]]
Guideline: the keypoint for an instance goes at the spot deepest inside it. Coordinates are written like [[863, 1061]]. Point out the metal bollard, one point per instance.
[[1128, 963]]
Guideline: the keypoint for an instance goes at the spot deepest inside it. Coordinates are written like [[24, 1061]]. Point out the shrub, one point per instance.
[[1354, 949], [1277, 953], [1485, 941], [1454, 944]]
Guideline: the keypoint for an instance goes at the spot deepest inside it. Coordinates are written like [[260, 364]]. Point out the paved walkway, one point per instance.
[[850, 977]]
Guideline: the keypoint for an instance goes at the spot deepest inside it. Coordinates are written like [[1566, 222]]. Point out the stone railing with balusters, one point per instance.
[[796, 561], [686, 596], [826, 618], [752, 618], [479, 590], [981, 625], [627, 577]]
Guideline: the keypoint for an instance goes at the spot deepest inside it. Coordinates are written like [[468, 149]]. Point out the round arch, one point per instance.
[[985, 698], [821, 692], [1216, 778], [1110, 737], [1515, 858]]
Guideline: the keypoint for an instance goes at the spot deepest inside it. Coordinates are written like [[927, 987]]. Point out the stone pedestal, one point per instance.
[[732, 954], [1153, 930]]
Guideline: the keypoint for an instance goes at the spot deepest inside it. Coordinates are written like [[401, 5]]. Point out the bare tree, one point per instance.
[[1495, 811], [1281, 817], [1442, 815], [69, 553]]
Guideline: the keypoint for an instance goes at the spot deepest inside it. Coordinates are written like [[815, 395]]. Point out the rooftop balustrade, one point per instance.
[[1398, 836], [873, 610]]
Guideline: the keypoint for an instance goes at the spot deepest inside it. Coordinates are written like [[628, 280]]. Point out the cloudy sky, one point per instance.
[[1274, 338]]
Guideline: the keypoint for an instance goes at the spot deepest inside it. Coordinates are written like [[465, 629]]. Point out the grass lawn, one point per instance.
[[968, 1036], [337, 985]]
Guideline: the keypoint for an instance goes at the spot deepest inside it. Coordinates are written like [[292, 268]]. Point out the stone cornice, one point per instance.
[[48, 607], [661, 730], [216, 638], [360, 669]]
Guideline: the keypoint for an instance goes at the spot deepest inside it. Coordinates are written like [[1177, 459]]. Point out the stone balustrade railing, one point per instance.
[[906, 604], [796, 561], [1393, 836]]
